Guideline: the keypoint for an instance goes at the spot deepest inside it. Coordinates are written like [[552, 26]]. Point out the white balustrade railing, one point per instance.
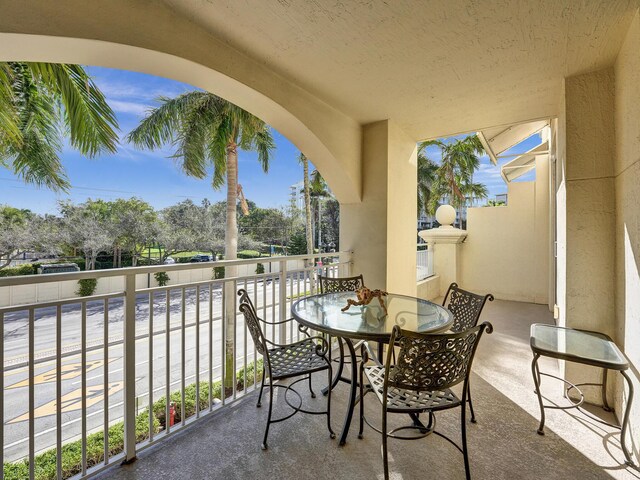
[[74, 368], [424, 262]]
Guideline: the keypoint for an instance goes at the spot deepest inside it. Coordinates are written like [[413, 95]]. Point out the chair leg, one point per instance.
[[336, 378], [266, 431], [385, 457], [313, 394], [261, 389], [473, 415], [361, 429], [463, 428], [331, 432]]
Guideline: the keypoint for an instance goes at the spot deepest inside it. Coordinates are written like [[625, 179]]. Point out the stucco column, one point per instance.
[[381, 229], [445, 242], [590, 212]]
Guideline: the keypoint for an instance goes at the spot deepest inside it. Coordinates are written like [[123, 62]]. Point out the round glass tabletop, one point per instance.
[[324, 314]]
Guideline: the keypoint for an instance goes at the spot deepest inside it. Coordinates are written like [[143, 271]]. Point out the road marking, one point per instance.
[[71, 370], [111, 372], [72, 401]]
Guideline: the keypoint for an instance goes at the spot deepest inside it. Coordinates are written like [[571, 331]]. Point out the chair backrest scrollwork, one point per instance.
[[465, 306], [340, 284], [428, 362], [253, 322]]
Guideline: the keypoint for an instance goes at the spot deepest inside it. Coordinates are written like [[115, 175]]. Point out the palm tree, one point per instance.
[[307, 203], [427, 170], [318, 190], [207, 131], [454, 175], [38, 103]]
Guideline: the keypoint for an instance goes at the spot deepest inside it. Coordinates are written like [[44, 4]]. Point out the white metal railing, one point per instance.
[[424, 262], [103, 359]]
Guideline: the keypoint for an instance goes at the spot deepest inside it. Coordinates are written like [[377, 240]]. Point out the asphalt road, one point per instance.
[[16, 359]]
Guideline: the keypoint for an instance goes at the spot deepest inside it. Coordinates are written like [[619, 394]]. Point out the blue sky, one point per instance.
[[156, 178]]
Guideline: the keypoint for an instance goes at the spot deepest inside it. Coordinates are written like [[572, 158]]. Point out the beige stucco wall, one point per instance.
[[590, 244], [506, 250], [429, 288], [590, 212], [598, 225], [380, 230], [627, 204]]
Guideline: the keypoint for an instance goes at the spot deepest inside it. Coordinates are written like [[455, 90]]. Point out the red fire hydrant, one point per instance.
[[172, 414]]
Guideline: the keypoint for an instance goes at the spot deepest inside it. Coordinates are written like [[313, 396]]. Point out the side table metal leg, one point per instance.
[[536, 380], [625, 421], [352, 391], [605, 404]]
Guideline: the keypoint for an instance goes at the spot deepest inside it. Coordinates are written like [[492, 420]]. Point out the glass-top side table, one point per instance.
[[583, 347]]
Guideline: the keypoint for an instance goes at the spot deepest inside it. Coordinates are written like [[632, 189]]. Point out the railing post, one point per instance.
[[430, 271], [346, 260], [283, 301], [129, 369]]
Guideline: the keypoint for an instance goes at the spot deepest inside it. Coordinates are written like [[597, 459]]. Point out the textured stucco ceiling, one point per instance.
[[435, 67]]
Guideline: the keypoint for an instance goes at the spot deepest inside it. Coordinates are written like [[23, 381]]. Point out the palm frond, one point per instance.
[[264, 145], [90, 120], [35, 159], [9, 128], [161, 123]]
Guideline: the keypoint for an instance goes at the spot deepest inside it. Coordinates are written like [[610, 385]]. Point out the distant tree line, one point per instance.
[[131, 227]]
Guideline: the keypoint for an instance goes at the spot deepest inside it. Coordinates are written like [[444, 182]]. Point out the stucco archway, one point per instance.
[[155, 42]]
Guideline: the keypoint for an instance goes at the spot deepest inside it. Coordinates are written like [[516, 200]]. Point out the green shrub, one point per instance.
[[259, 268], [24, 269], [162, 278], [218, 273], [87, 287], [45, 463], [250, 375], [248, 254]]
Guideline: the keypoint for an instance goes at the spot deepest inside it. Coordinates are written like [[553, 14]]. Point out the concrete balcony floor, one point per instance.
[[502, 445]]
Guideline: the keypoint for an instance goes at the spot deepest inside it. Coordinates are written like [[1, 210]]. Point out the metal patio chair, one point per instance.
[[338, 285], [420, 381], [284, 361], [466, 308]]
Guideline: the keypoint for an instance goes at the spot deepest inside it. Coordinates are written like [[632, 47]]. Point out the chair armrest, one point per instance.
[[301, 328], [278, 322], [320, 345]]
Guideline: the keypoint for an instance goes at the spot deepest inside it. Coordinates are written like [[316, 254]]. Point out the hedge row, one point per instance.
[[45, 463], [24, 269]]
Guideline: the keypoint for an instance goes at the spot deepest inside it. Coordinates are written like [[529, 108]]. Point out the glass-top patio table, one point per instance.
[[323, 313]]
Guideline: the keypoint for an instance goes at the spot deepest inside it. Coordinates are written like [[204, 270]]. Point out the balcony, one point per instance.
[[220, 435], [503, 444]]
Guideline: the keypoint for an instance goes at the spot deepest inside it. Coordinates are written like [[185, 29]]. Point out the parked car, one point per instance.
[[169, 261], [58, 268], [201, 258]]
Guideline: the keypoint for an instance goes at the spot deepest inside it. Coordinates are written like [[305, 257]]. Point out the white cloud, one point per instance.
[[126, 90], [134, 108]]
